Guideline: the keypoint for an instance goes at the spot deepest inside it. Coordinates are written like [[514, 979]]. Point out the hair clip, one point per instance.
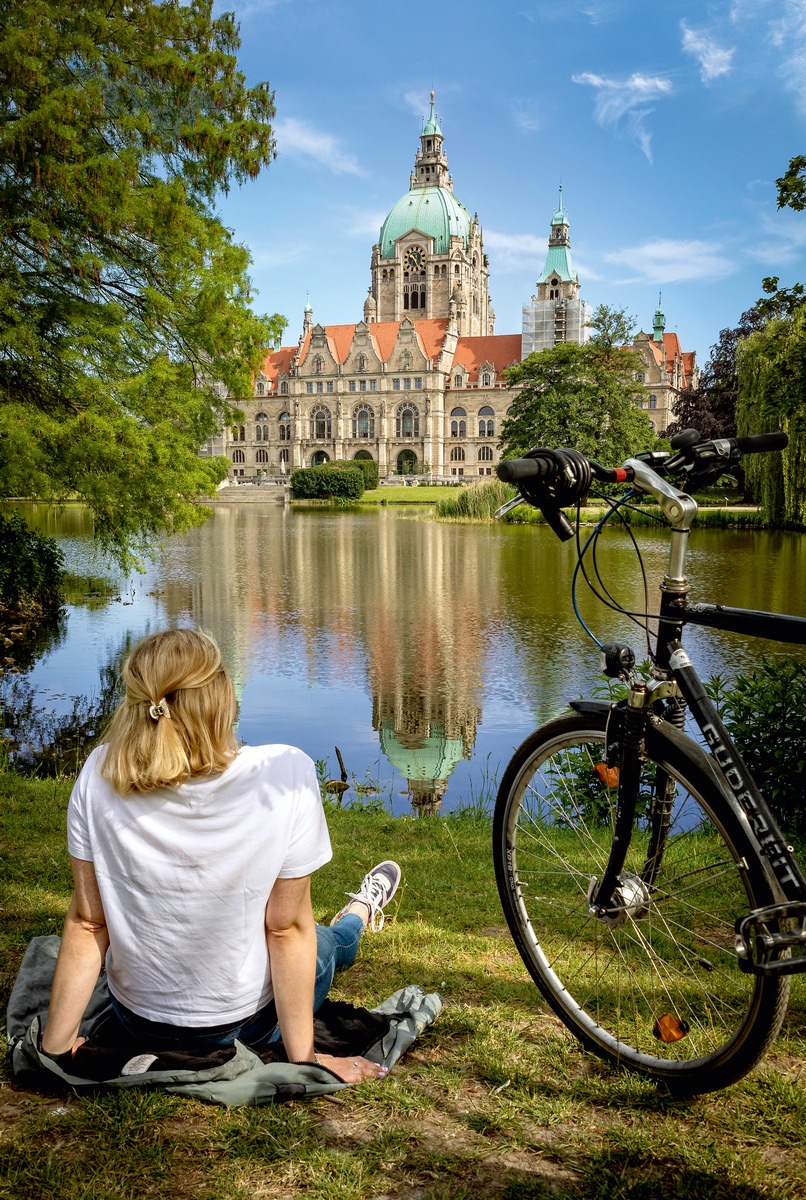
[[159, 710]]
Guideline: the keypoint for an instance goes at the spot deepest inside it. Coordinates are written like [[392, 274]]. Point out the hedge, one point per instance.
[[325, 483], [367, 465]]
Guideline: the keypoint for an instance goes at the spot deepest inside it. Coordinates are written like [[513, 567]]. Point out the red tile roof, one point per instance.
[[384, 334], [499, 350]]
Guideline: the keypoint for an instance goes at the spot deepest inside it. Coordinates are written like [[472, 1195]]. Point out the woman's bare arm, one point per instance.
[[81, 955]]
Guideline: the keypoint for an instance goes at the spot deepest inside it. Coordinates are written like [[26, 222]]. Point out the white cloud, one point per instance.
[[525, 116], [788, 34], [622, 106], [779, 239], [364, 224], [714, 60], [670, 260], [300, 140], [510, 251]]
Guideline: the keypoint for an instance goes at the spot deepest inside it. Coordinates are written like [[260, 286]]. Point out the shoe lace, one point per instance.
[[372, 893]]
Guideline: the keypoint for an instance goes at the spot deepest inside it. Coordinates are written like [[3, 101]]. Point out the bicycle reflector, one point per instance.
[[669, 1028], [617, 660]]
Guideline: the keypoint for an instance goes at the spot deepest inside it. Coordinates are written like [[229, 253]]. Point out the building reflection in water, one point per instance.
[[377, 598]]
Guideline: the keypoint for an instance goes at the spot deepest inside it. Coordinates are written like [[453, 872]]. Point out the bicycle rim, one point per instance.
[[657, 989]]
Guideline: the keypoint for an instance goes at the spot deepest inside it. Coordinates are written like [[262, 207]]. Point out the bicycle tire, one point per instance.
[[669, 970]]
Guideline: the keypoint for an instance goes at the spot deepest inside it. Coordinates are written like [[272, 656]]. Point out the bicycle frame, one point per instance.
[[759, 947]]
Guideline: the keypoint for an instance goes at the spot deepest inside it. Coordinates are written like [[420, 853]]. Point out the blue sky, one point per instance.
[[666, 123]]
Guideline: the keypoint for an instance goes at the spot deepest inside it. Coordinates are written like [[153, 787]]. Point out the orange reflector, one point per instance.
[[670, 1029], [607, 775]]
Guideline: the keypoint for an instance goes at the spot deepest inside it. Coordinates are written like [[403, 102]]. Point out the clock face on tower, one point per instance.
[[414, 259]]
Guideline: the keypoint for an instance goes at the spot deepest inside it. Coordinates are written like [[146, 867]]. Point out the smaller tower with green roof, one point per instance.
[[556, 313]]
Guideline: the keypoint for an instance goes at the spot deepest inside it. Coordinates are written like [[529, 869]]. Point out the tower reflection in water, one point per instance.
[[377, 603]]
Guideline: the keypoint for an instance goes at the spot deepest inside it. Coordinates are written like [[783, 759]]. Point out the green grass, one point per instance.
[[495, 1099]]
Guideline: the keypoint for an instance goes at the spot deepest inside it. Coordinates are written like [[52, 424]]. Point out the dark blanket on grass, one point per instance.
[[236, 1075]]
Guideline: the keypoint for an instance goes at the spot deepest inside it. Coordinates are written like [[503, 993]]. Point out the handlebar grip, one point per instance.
[[760, 443], [513, 469]]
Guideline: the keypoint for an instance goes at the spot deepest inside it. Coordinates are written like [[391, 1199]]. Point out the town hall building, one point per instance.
[[418, 384]]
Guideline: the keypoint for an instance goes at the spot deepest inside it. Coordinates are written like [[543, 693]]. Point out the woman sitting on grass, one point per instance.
[[192, 861]]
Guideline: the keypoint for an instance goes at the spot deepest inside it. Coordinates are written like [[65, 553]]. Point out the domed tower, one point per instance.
[[431, 249]]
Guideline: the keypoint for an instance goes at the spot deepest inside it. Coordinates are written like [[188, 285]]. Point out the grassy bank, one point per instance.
[[494, 1100]]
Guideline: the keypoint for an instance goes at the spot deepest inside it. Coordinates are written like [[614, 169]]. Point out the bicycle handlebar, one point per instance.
[[511, 470], [760, 443], [552, 479]]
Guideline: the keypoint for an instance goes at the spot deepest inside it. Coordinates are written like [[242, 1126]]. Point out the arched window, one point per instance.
[[284, 388], [485, 379], [457, 381], [485, 454], [486, 422], [318, 365], [284, 457], [457, 454], [363, 421], [458, 427], [238, 456], [262, 456], [239, 433], [262, 427], [653, 402], [261, 387], [320, 423], [284, 424], [407, 421], [319, 459]]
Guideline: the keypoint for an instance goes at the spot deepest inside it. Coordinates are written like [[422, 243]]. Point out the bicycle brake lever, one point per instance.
[[508, 507]]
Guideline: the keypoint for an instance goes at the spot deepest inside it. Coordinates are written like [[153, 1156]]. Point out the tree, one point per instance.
[[792, 185], [611, 326], [583, 396], [125, 311], [711, 406], [771, 370]]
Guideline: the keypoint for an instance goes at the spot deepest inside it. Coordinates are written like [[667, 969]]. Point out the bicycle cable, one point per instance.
[[604, 596]]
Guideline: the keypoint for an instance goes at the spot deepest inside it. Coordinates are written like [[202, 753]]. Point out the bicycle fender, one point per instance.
[[591, 707]]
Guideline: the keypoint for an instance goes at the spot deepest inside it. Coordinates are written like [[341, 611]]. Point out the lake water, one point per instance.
[[425, 651]]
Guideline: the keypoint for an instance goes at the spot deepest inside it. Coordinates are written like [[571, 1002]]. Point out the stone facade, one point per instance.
[[666, 369]]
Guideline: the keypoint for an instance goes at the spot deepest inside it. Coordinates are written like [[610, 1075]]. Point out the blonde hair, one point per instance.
[[176, 719]]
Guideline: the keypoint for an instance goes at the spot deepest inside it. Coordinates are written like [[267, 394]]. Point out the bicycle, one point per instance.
[[648, 888]]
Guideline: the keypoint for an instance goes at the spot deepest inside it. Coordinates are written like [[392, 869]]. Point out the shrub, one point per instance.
[[367, 465], [325, 483], [765, 714], [31, 566]]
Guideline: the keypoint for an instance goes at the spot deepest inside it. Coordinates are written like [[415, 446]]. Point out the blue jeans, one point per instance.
[[336, 948]]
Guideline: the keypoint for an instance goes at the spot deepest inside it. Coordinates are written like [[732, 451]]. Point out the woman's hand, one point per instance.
[[352, 1070]]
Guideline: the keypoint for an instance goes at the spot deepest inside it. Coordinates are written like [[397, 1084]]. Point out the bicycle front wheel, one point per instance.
[[654, 987]]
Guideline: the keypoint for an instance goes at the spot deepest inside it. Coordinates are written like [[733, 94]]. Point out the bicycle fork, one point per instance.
[[619, 894]]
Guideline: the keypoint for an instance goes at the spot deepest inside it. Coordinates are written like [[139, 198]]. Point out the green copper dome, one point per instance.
[[432, 211]]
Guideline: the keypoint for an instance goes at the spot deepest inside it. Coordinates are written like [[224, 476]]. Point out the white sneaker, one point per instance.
[[377, 888]]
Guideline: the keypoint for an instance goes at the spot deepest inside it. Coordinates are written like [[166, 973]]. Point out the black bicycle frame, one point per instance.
[[675, 612]]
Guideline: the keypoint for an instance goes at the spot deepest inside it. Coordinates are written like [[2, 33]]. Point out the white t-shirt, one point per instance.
[[185, 873]]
